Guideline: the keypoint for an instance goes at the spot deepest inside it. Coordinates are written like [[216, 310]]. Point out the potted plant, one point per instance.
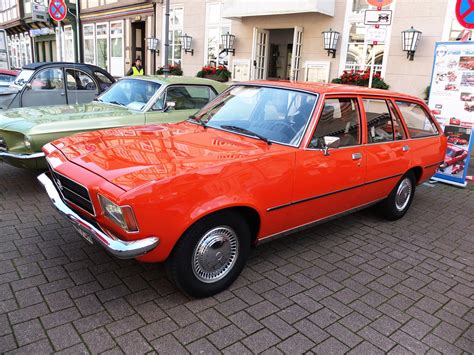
[[174, 70], [361, 78], [220, 73]]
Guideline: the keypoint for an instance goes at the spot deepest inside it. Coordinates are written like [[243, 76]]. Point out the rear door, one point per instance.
[[45, 88], [328, 184], [387, 150], [188, 99]]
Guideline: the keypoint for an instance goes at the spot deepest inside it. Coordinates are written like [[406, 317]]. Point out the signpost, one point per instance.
[[57, 10], [378, 17]]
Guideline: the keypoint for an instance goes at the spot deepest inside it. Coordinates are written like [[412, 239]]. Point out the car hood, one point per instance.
[[23, 119], [134, 156]]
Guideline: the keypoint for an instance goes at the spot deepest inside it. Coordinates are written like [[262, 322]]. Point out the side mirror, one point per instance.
[[28, 86], [330, 142], [169, 105]]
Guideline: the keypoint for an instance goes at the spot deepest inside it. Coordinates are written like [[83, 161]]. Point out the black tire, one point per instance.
[[186, 266], [392, 208]]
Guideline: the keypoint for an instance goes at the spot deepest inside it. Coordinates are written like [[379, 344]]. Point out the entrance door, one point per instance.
[[296, 53], [260, 53], [138, 41]]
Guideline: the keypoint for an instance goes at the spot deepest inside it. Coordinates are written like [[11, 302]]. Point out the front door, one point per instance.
[[138, 41], [260, 53], [81, 88], [45, 88], [331, 183], [296, 53]]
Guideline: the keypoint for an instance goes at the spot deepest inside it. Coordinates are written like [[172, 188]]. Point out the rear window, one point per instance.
[[418, 122]]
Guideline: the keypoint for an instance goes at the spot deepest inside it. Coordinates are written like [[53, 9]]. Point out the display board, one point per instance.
[[452, 103], [317, 71]]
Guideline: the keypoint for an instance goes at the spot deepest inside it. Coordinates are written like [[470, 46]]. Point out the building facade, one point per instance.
[[274, 39]]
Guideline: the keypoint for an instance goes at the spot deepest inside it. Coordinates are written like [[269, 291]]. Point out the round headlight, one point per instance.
[[27, 142]]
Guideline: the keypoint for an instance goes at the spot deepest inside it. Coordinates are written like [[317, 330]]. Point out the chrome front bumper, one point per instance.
[[21, 156], [119, 248]]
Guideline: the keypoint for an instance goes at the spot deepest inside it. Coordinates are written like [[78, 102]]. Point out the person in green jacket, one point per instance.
[[136, 68]]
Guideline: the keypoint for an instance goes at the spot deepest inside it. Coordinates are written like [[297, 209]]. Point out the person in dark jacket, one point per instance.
[[136, 68]]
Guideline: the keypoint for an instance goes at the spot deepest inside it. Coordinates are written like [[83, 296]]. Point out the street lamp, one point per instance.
[[410, 39], [187, 44], [152, 44], [330, 39], [227, 42]]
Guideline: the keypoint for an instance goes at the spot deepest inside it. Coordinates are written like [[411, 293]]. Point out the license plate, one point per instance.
[[84, 235]]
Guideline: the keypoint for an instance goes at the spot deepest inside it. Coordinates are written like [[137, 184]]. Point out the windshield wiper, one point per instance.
[[98, 100], [246, 131], [195, 119], [116, 103]]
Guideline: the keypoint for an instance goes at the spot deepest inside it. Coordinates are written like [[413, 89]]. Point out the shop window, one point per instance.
[[174, 35], [102, 45], [358, 53], [89, 43], [216, 26], [68, 44], [418, 122], [116, 49]]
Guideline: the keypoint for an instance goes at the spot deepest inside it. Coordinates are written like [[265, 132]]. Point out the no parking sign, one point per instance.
[[57, 10]]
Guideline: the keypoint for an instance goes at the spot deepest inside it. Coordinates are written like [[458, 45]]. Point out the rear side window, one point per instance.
[[418, 122], [383, 124]]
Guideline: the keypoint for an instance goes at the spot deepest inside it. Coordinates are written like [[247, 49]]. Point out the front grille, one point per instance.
[[3, 145], [73, 192]]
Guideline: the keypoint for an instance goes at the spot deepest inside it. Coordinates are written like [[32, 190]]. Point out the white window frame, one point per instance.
[[120, 72], [90, 37], [349, 18], [70, 37], [219, 25], [171, 29], [107, 37]]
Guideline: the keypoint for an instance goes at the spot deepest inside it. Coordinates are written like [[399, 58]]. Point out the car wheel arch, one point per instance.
[[418, 171]]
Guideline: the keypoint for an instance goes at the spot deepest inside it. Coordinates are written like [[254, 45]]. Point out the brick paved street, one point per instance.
[[357, 284]]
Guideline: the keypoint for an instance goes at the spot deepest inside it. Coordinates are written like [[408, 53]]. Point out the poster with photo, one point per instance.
[[452, 103]]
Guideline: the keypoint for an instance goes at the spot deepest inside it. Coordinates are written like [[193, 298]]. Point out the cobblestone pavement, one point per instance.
[[357, 284]]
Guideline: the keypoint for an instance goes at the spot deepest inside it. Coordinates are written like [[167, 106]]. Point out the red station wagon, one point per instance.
[[262, 160]]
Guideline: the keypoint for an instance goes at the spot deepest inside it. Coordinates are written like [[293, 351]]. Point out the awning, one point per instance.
[[246, 8]]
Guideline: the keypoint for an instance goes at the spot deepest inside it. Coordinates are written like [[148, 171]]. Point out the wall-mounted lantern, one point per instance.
[[187, 44], [227, 42], [410, 39], [330, 39]]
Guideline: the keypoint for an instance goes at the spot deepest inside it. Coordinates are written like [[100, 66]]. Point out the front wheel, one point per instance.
[[398, 202], [210, 255]]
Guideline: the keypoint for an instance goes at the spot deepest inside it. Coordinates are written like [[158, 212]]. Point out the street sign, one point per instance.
[[39, 13], [57, 10], [378, 17], [376, 35], [465, 13], [379, 3]]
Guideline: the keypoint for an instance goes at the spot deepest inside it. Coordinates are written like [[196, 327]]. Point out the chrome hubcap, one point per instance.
[[215, 254], [403, 194]]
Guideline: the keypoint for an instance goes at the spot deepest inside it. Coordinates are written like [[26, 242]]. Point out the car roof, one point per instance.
[[323, 88], [38, 65], [174, 79], [8, 72]]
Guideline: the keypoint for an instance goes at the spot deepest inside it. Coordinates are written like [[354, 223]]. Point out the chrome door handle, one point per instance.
[[406, 148], [356, 156], [62, 94]]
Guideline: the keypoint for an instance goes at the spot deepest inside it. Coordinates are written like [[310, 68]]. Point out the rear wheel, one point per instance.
[[210, 255], [398, 202]]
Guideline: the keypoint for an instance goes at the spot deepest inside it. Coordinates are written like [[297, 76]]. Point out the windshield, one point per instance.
[[131, 93], [279, 115], [23, 77]]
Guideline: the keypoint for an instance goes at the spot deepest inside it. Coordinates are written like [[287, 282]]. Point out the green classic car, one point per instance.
[[130, 101]]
